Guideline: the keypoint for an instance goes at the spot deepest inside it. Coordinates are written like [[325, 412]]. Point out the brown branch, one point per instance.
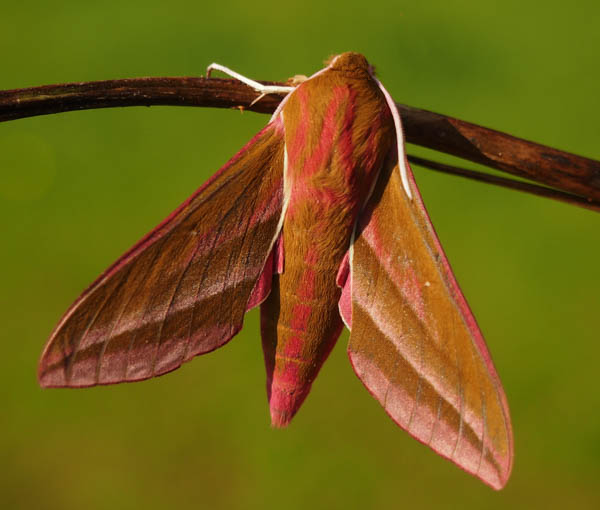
[[552, 167], [526, 187], [564, 171]]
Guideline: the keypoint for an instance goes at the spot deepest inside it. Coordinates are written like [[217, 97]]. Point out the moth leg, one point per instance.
[[259, 87], [258, 98]]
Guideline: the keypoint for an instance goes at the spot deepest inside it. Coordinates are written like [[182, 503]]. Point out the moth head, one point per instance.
[[351, 63]]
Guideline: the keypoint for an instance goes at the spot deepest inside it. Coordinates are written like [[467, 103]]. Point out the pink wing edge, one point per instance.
[[344, 280], [262, 288]]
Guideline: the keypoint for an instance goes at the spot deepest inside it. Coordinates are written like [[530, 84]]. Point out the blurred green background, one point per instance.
[[77, 189]]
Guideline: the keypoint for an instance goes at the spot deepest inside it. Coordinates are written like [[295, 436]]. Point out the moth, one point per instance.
[[318, 220]]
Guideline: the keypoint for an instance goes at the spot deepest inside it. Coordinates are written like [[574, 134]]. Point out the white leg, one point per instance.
[[259, 87]]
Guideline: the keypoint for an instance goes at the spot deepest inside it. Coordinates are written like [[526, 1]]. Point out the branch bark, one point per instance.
[[532, 189], [563, 171]]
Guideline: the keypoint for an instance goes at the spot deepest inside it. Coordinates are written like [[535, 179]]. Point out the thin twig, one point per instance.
[[561, 170], [526, 187]]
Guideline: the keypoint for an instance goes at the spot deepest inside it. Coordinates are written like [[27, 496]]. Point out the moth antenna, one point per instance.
[[259, 87], [402, 162]]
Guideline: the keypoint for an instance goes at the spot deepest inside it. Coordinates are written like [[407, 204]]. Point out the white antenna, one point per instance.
[[402, 163]]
